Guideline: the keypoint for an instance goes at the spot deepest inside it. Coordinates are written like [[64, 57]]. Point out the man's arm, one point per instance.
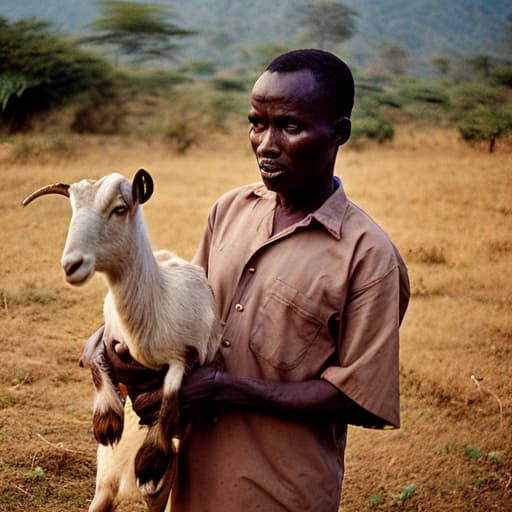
[[313, 400], [309, 401]]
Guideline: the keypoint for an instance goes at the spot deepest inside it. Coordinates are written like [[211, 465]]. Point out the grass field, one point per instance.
[[447, 206]]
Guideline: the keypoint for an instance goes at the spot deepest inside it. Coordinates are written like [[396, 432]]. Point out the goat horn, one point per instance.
[[56, 188]]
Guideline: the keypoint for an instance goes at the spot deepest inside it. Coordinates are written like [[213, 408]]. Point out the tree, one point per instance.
[[39, 70], [440, 63], [393, 57], [327, 21], [486, 124], [140, 31]]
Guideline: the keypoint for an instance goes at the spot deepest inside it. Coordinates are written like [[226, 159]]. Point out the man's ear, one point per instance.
[[343, 127]]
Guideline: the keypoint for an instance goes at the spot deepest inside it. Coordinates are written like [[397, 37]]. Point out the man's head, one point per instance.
[[331, 73], [299, 118]]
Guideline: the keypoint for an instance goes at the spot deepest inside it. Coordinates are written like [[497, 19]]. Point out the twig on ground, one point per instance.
[[21, 489], [6, 309], [481, 388], [59, 446], [16, 386]]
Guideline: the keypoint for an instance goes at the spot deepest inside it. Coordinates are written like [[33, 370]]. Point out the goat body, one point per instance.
[[159, 304]]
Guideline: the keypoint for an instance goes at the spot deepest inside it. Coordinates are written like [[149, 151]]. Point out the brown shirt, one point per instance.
[[322, 299]]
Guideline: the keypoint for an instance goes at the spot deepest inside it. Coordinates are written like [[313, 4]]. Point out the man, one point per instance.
[[310, 292]]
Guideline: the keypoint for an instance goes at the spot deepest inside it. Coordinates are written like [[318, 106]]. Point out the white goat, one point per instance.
[[161, 306]]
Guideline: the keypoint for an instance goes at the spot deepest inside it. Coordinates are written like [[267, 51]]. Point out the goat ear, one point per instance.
[[142, 186]]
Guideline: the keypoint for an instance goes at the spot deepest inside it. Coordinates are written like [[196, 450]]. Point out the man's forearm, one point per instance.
[[302, 401]]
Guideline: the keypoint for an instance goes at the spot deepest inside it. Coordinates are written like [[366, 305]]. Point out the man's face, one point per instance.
[[292, 131]]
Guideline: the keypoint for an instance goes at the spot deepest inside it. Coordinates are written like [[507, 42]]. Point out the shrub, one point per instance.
[[415, 90], [39, 70], [472, 95], [502, 75], [372, 127]]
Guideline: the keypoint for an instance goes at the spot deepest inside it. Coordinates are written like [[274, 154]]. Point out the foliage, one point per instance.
[[151, 79], [407, 492], [441, 63], [39, 70], [35, 474], [486, 124], [372, 126], [411, 89], [190, 117], [391, 58], [375, 499], [266, 53], [471, 95], [479, 65], [140, 31], [327, 21], [230, 83], [501, 75]]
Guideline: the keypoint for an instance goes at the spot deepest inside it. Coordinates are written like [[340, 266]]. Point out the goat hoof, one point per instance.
[[154, 469], [107, 427]]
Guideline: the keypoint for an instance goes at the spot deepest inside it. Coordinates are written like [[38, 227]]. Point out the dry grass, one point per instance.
[[447, 206]]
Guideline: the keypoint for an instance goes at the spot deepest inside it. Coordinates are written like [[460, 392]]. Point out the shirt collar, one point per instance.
[[330, 215]]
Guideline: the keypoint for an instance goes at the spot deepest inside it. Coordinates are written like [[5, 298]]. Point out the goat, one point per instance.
[[159, 304]]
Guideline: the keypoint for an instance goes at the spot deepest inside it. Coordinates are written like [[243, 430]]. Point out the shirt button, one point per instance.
[[252, 270], [226, 343], [239, 308]]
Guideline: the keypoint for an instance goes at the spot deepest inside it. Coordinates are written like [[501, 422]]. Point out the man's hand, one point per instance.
[[144, 385], [111, 356]]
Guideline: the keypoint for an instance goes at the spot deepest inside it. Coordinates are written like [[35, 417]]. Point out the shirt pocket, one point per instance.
[[286, 329]]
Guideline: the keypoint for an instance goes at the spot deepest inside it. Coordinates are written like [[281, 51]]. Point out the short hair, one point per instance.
[[332, 74]]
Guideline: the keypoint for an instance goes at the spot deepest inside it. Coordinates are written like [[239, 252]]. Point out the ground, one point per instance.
[[446, 205]]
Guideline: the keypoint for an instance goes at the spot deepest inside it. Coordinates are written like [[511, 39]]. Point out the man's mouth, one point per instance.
[[271, 170]]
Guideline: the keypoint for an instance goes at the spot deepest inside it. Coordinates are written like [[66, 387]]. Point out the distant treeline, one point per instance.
[[227, 30], [131, 90]]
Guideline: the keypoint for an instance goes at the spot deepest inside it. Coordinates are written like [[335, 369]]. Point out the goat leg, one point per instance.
[[156, 454]]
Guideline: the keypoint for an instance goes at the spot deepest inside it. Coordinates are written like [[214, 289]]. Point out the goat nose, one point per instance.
[[70, 267], [78, 266]]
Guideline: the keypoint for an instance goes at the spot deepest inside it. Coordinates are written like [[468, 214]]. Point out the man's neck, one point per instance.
[[290, 209]]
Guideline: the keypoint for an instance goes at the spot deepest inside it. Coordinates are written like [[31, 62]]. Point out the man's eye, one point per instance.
[[293, 128], [257, 127]]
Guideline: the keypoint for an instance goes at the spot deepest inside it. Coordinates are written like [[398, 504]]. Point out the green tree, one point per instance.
[[140, 31], [486, 124], [39, 70], [327, 21], [440, 63]]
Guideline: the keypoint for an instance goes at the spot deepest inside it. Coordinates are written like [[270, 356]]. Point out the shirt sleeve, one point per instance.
[[368, 349], [202, 254]]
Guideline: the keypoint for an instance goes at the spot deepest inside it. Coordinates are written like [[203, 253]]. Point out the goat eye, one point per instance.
[[120, 210]]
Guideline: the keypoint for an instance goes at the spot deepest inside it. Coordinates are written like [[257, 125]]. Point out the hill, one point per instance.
[[228, 31]]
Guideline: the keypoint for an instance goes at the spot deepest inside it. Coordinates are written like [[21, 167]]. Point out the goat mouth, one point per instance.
[[78, 270], [78, 278]]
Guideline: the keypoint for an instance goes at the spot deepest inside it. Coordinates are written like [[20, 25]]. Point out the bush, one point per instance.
[[412, 90], [39, 70], [372, 127], [473, 95], [501, 75], [152, 79]]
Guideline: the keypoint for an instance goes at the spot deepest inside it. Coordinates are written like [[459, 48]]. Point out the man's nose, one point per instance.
[[268, 144]]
